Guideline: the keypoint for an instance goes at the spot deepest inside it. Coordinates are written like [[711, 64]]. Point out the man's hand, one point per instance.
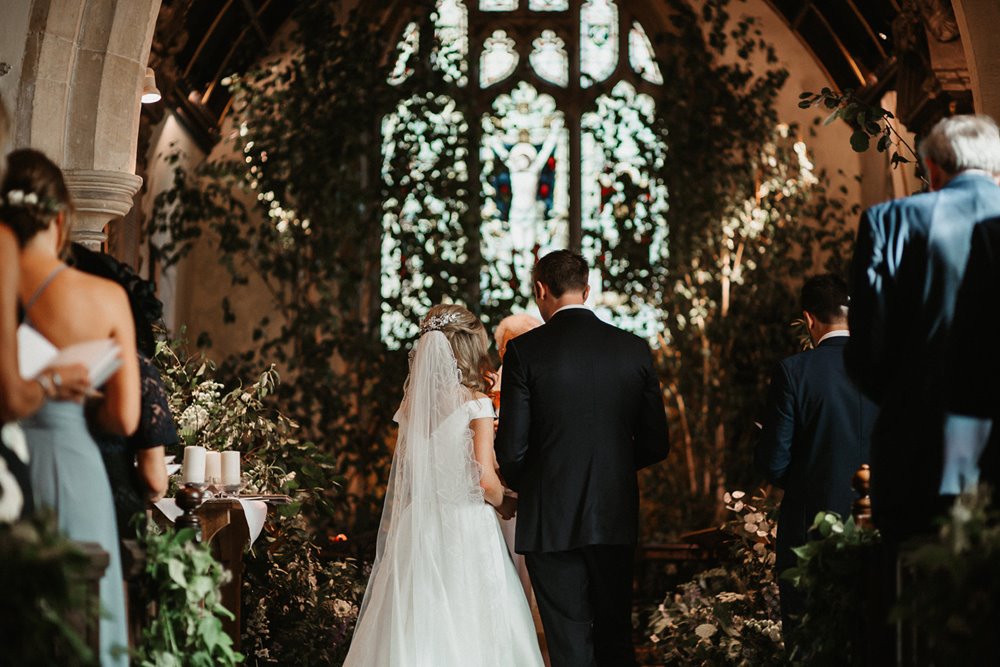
[[508, 508]]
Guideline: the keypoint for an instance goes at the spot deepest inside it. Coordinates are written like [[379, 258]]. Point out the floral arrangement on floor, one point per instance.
[[727, 615], [298, 607], [299, 603], [951, 593], [40, 574], [833, 572]]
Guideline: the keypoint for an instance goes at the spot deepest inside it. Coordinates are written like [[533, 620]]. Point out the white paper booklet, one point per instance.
[[35, 353]]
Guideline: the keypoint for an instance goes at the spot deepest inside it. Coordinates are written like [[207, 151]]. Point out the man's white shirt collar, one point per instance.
[[571, 307], [839, 333]]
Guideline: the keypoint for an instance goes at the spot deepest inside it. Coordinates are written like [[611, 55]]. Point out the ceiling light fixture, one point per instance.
[[150, 93]]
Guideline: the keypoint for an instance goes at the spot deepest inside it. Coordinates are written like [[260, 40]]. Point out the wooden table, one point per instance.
[[224, 529]]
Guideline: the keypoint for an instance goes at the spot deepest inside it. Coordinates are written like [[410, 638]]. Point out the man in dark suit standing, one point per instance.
[[581, 411], [972, 434], [908, 265], [817, 429]]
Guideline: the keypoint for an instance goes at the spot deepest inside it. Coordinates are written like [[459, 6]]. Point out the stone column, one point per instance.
[[100, 197], [79, 99]]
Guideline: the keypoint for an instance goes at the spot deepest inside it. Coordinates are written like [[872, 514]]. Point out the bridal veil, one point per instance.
[[440, 592]]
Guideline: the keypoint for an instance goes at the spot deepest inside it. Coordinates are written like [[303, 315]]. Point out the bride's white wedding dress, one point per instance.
[[443, 591]]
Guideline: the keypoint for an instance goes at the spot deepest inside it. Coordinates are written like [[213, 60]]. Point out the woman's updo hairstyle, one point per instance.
[[32, 194], [469, 343]]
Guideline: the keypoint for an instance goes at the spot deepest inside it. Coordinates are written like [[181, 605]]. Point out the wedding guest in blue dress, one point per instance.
[[68, 307], [19, 397]]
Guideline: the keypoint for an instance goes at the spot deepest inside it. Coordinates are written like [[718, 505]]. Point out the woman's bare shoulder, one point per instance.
[[9, 249], [106, 289], [7, 237]]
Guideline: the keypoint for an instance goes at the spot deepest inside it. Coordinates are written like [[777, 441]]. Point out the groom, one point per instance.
[[581, 410]]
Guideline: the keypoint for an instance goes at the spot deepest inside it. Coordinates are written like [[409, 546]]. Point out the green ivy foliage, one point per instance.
[[308, 139], [184, 578], [728, 615], [299, 603], [869, 121], [834, 573], [747, 224], [950, 595], [40, 578], [303, 207]]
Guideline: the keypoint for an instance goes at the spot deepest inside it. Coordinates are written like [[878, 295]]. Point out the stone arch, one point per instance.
[[78, 99], [978, 22]]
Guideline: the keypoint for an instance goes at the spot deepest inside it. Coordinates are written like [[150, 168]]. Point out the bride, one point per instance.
[[443, 590]]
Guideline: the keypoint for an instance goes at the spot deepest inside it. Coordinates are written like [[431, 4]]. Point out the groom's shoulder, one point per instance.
[[601, 334]]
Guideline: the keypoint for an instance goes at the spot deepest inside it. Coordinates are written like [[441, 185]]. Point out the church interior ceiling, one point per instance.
[[202, 42]]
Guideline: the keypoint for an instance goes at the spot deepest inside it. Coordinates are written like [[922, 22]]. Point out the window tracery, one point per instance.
[[565, 154]]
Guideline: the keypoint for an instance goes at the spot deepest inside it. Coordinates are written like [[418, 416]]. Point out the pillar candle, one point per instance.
[[213, 467], [230, 468], [194, 465]]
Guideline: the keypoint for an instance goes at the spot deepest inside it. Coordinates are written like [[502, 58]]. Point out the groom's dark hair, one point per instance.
[[561, 271], [825, 297]]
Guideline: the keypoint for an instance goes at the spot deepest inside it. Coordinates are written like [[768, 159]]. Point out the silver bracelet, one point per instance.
[[47, 385]]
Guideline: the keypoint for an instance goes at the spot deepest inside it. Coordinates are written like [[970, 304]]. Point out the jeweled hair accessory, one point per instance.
[[438, 322], [22, 199]]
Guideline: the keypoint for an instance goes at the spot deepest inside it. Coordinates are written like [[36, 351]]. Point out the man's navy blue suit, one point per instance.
[[817, 433], [908, 265]]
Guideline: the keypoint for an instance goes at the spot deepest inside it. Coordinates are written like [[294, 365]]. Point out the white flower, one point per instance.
[[11, 498], [15, 197], [193, 419], [31, 199], [342, 608], [13, 437], [960, 513], [705, 630]]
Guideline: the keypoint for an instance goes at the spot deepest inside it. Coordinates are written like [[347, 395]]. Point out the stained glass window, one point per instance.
[[525, 180], [497, 5], [641, 56], [548, 5], [424, 162], [549, 58], [620, 150], [598, 41], [452, 40], [407, 49], [498, 60], [556, 167]]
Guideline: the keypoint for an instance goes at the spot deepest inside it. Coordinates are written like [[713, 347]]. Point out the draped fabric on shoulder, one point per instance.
[[439, 592]]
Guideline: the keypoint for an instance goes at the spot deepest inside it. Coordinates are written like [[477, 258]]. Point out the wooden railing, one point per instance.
[[87, 625]]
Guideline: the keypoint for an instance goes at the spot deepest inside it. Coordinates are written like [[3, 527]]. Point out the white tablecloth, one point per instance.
[[255, 512]]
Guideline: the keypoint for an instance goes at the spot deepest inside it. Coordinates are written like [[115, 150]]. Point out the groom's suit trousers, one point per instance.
[[585, 599]]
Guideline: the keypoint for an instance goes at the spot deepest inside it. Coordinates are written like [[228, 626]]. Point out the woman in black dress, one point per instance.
[[135, 465]]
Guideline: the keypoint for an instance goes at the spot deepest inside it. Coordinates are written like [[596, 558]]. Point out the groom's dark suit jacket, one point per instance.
[[817, 433], [908, 265], [581, 410]]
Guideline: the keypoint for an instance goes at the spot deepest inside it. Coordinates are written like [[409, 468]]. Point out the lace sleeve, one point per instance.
[[156, 424]]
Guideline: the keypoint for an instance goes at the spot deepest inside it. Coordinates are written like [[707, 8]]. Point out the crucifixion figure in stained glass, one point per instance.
[[525, 164]]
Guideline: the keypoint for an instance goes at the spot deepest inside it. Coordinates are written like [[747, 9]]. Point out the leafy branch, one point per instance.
[[870, 122], [185, 579]]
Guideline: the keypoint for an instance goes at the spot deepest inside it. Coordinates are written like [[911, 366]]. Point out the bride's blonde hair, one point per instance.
[[469, 343]]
